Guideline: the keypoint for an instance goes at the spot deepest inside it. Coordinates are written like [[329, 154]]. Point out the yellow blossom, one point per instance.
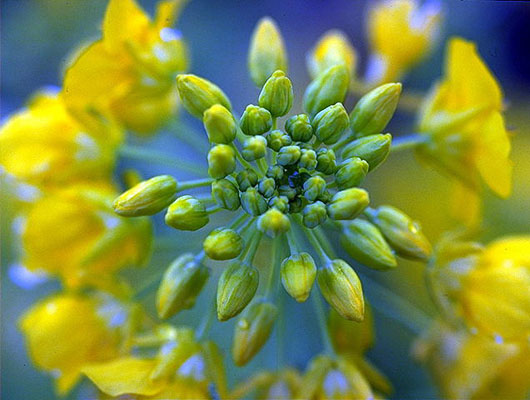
[[283, 384], [332, 49], [68, 331], [73, 233], [130, 73], [45, 145], [401, 33]]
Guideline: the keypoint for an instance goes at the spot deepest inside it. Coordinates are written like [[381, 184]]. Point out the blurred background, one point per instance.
[[38, 35]]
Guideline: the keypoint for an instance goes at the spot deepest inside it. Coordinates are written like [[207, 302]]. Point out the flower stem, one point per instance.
[[321, 315], [189, 135], [274, 266], [194, 184], [406, 142], [316, 245], [252, 247], [206, 321]]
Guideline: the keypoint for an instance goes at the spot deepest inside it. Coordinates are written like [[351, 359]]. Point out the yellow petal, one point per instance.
[[466, 205], [124, 20], [167, 12]]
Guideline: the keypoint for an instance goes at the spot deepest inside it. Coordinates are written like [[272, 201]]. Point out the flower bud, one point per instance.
[[277, 94], [298, 274], [348, 203], [403, 234], [223, 244], [281, 203], [326, 161], [221, 161], [314, 214], [330, 123], [267, 186], [236, 287], [220, 124], [254, 148], [255, 120], [333, 48], [330, 87], [287, 191], [365, 244], [180, 286], [341, 287], [147, 197], [374, 110], [308, 160], [273, 223], [314, 187], [275, 172], [373, 149], [351, 172], [246, 178], [267, 52], [226, 194], [252, 331], [253, 202], [187, 214], [299, 128], [289, 155], [198, 94], [277, 139], [325, 197]]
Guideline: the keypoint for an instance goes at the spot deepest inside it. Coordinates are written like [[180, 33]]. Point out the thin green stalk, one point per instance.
[[252, 247], [274, 123], [206, 321], [406, 142], [274, 266], [242, 161], [321, 316], [239, 219], [214, 209], [291, 241], [189, 135], [324, 241], [186, 185], [316, 245], [262, 165]]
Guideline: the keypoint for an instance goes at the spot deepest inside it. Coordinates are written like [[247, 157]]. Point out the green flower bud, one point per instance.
[[220, 124], [253, 202], [281, 203], [267, 52], [341, 287], [254, 148], [296, 205], [198, 94], [351, 172], [287, 191], [289, 155], [221, 161], [273, 223], [147, 197], [365, 244], [308, 159], [330, 123], [403, 233], [180, 286], [277, 94], [299, 128], [246, 178], [325, 197], [375, 109], [275, 172], [326, 161], [267, 186], [314, 187], [314, 214], [223, 244], [348, 204], [328, 88], [277, 139], [252, 330], [187, 214], [235, 288], [373, 149], [226, 194], [298, 274], [255, 121]]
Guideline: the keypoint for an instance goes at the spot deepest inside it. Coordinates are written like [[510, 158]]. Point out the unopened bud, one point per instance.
[[314, 187], [147, 197], [330, 123], [275, 172], [254, 148], [187, 214], [273, 223], [226, 194], [314, 214], [236, 287], [289, 155], [308, 160], [281, 203], [277, 94], [330, 87], [351, 173], [221, 161], [299, 128], [267, 186], [253, 202], [287, 191], [348, 203], [180, 286], [333, 48], [374, 149], [277, 139], [220, 124], [198, 94], [298, 273], [223, 244], [341, 287], [326, 161], [255, 120], [246, 178]]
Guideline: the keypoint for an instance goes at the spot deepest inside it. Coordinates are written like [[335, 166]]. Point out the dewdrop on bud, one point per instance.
[[252, 330], [351, 172], [341, 287], [333, 48], [289, 155], [221, 161], [253, 202], [329, 88], [299, 128], [278, 139], [314, 187], [180, 286], [277, 94], [255, 120], [187, 214], [314, 214], [374, 149], [298, 273], [254, 148], [374, 110], [326, 161], [365, 244], [226, 194], [330, 123], [198, 94], [235, 288], [223, 244], [246, 178], [267, 52], [220, 124], [348, 204], [147, 197], [273, 223]]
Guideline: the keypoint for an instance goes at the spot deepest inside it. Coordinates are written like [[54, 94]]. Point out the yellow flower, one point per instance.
[[130, 72], [74, 233], [283, 384], [468, 366], [401, 33], [333, 48], [68, 331], [44, 145]]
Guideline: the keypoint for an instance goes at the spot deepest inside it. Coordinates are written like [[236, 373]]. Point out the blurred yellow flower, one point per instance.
[[74, 233], [68, 331], [283, 384], [401, 33], [333, 48], [46, 146], [130, 72]]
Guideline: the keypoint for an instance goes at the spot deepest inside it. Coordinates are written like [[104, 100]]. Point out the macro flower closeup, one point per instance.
[[265, 200]]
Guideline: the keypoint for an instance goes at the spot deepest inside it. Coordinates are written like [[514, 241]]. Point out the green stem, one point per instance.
[[238, 220], [321, 315], [316, 245], [252, 247], [406, 142], [343, 142], [214, 209], [194, 184], [262, 165], [206, 321], [324, 241], [274, 266], [291, 241], [242, 161], [274, 123], [188, 135]]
